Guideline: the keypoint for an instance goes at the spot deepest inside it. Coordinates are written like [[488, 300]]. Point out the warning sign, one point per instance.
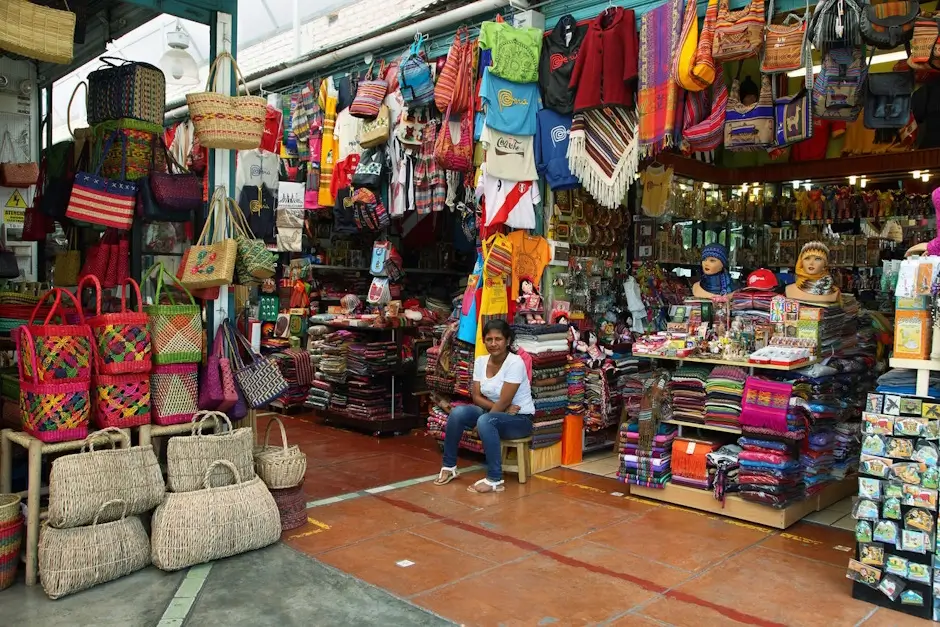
[[16, 201], [13, 216]]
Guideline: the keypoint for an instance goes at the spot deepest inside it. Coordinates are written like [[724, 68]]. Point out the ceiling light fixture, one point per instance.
[[853, 180], [863, 182], [916, 174], [178, 65], [887, 57], [925, 177]]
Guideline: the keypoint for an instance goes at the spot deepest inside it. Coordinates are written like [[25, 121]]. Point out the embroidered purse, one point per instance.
[[785, 46], [376, 132], [370, 95], [738, 35], [749, 127], [455, 157], [926, 40], [793, 117]]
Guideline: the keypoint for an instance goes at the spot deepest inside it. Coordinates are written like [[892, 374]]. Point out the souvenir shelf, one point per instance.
[[734, 506]]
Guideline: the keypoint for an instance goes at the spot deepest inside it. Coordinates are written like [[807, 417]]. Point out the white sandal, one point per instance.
[[443, 478], [484, 486]]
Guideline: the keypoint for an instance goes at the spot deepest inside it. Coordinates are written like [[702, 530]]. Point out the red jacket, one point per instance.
[[606, 70]]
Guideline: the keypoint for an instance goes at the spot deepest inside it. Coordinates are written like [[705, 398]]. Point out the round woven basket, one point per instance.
[[11, 536], [292, 506], [280, 466], [9, 507]]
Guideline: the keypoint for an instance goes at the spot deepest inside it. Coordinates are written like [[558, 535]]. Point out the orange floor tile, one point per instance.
[[561, 549]]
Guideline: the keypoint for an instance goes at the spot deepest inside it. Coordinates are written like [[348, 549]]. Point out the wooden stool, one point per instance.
[[521, 466]]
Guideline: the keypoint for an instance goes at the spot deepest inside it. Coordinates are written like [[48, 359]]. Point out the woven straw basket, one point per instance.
[[80, 484], [228, 122], [188, 457], [80, 558], [36, 31], [280, 466], [195, 527], [292, 506], [9, 507]]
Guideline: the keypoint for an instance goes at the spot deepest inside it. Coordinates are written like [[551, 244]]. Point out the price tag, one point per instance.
[[690, 448]]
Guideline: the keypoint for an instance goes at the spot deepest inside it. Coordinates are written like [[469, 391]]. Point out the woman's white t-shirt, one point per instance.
[[512, 371]]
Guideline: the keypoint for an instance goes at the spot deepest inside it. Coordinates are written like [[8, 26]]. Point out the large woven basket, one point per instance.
[[292, 506], [80, 484], [36, 31], [82, 557], [188, 457], [280, 466], [227, 122], [195, 527], [11, 537]]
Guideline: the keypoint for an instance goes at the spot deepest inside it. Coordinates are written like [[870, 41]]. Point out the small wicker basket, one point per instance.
[[9, 507], [280, 466]]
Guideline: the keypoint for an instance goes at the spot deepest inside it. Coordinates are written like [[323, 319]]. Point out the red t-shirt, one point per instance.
[[343, 172], [815, 147]]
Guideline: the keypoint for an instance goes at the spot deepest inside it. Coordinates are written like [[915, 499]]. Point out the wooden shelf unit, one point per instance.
[[725, 362]]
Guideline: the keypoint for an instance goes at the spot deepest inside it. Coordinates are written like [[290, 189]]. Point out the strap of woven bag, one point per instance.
[[89, 441], [237, 218], [210, 84], [108, 504], [136, 290], [208, 229], [267, 433], [107, 148], [233, 345], [161, 273], [95, 284], [68, 110], [200, 417], [221, 462]]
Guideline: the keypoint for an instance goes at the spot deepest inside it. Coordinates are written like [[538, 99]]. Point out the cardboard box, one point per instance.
[[911, 334]]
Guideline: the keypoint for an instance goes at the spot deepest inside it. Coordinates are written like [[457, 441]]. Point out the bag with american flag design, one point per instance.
[[96, 199]]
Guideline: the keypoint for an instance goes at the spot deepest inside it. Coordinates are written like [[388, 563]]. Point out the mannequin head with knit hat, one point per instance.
[[716, 280], [813, 281]]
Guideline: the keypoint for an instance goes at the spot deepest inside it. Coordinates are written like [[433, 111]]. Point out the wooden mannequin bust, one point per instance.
[[813, 281]]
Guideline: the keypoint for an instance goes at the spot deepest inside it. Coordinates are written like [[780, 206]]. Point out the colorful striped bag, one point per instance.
[[223, 121], [97, 199], [122, 339], [175, 329], [452, 90], [738, 36], [370, 95]]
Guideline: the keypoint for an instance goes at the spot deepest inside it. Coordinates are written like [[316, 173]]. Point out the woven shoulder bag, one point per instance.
[[122, 339], [227, 122], [749, 127], [785, 45], [369, 95], [189, 457], [211, 260], [740, 34], [260, 380], [175, 328]]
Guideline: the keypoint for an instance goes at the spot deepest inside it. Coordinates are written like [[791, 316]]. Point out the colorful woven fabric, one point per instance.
[[11, 537], [765, 404], [60, 353], [659, 95], [174, 393], [703, 124], [55, 412], [603, 152]]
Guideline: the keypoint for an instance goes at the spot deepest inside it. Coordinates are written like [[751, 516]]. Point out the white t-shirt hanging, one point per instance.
[[507, 202], [512, 371], [510, 157], [256, 167], [346, 133]]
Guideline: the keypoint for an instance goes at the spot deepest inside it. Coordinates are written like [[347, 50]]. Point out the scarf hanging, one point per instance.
[[603, 152], [719, 284], [659, 95]]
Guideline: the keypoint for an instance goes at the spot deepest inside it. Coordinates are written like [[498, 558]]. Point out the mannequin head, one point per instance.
[[814, 259], [714, 259]]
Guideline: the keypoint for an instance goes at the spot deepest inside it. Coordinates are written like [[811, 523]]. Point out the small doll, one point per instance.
[[530, 302], [716, 280], [813, 281], [596, 353]]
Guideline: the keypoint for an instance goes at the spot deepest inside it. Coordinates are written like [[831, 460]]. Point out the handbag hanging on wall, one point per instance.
[[168, 196], [749, 127], [455, 157], [211, 260], [13, 174], [227, 122], [370, 94], [68, 263], [260, 381], [96, 199], [925, 45], [785, 45], [738, 35], [452, 91], [887, 25], [126, 89]]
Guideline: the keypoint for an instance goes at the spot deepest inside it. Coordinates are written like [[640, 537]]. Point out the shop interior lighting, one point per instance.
[[178, 65], [853, 180], [796, 183], [925, 177], [807, 185], [916, 174], [888, 57], [863, 182]]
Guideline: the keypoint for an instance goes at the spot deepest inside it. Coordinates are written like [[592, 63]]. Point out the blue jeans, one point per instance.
[[492, 428]]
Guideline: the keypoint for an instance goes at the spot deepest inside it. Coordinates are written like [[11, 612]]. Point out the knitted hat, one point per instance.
[[815, 246], [717, 251]]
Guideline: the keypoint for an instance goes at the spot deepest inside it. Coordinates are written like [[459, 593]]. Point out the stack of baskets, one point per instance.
[[282, 469], [217, 507], [11, 536], [93, 533]]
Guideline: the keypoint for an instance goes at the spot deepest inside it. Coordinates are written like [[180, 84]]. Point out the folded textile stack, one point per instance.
[[770, 471], [463, 366], [753, 304], [437, 423], [817, 460], [687, 389], [318, 396], [846, 449], [900, 381], [723, 392], [368, 399], [549, 389], [631, 394], [646, 466], [576, 369], [372, 358], [296, 367], [723, 467], [332, 364], [690, 462]]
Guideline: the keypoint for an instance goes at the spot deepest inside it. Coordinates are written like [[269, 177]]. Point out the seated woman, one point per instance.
[[502, 408]]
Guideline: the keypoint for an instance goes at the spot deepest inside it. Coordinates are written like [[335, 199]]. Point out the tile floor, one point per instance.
[[561, 549]]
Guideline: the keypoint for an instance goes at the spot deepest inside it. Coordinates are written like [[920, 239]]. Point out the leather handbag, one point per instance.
[[926, 43], [370, 95], [376, 131], [36, 224], [456, 157], [888, 25], [785, 45], [739, 35], [888, 100], [96, 199], [13, 174], [749, 127], [372, 171]]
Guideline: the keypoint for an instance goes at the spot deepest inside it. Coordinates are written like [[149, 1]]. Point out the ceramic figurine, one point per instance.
[[716, 280], [813, 282]]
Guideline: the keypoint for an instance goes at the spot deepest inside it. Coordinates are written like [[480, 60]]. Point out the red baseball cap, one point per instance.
[[761, 279]]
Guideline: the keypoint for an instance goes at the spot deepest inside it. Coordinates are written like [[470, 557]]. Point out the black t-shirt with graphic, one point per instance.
[[559, 52], [258, 205]]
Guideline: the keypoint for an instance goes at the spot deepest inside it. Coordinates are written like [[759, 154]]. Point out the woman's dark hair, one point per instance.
[[498, 324]]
